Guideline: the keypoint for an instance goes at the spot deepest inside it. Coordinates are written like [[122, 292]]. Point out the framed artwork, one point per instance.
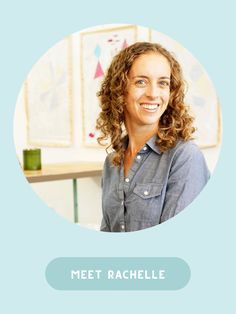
[[200, 95], [97, 49], [48, 98]]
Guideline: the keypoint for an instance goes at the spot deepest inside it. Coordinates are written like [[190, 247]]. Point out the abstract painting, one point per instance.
[[200, 92], [97, 50], [48, 98]]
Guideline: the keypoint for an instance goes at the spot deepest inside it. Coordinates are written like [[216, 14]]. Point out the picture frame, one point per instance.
[[200, 93], [97, 48], [48, 98]]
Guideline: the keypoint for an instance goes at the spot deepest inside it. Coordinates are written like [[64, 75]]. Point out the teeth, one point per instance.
[[148, 106]]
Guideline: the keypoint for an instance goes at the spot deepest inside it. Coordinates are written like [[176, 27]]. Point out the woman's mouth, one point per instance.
[[149, 107]]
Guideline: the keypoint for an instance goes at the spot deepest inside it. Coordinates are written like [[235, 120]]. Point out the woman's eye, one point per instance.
[[164, 83], [140, 83]]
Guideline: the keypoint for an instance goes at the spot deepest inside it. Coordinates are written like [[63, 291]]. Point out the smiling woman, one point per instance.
[[148, 93], [147, 98], [155, 169]]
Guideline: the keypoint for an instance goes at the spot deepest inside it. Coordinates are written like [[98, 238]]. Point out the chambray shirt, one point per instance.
[[157, 187]]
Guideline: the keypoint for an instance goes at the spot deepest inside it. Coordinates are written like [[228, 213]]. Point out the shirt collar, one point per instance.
[[152, 144]]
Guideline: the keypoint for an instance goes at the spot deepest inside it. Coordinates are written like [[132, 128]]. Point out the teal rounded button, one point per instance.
[[117, 273]]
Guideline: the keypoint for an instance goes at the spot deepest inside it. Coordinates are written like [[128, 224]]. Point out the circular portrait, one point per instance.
[[117, 128]]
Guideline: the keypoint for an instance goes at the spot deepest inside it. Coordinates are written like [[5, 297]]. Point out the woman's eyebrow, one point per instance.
[[140, 76], [164, 78], [147, 77]]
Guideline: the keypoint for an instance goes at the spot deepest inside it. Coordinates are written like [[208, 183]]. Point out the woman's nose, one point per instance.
[[153, 91]]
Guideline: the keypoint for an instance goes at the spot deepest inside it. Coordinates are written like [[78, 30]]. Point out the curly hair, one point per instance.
[[174, 124]]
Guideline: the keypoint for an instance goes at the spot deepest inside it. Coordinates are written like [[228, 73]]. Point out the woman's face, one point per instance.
[[148, 90]]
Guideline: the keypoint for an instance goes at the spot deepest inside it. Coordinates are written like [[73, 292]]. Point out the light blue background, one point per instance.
[[32, 234]]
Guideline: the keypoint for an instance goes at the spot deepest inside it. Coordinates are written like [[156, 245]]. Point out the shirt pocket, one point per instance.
[[145, 204], [148, 190]]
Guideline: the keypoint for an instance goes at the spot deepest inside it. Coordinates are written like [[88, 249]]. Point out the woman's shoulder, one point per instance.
[[108, 162], [108, 159], [186, 150], [188, 161], [186, 146]]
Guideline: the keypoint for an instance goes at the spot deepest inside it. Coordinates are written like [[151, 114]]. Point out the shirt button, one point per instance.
[[122, 227], [145, 148], [126, 179], [138, 157], [145, 192], [122, 203]]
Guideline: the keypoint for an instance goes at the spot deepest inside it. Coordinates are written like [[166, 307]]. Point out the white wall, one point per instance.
[[58, 195]]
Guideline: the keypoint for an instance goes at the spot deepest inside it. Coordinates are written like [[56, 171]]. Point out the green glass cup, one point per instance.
[[32, 159]]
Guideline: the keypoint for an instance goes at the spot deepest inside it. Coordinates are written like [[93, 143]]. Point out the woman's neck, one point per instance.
[[137, 138]]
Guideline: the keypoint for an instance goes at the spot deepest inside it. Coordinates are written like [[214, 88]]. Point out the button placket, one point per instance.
[[121, 196]]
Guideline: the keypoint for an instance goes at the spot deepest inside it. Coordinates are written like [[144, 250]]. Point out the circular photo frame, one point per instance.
[[142, 175]]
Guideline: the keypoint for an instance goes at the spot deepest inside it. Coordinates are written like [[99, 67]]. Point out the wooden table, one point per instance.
[[65, 171]]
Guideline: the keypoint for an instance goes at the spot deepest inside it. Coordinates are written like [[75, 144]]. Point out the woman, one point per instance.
[[155, 170]]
